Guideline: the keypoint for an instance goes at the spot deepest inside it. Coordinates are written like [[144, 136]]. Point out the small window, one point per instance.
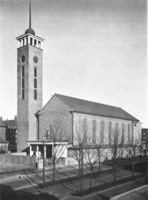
[[30, 41], [27, 40], [35, 72], [110, 133], [35, 83], [34, 42], [116, 134], [23, 93], [23, 85], [23, 82], [23, 41], [23, 71], [102, 132], [39, 43], [84, 130], [123, 133], [35, 94], [94, 131], [129, 134]]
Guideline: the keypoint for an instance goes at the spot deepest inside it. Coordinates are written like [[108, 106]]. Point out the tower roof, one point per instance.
[[30, 30]]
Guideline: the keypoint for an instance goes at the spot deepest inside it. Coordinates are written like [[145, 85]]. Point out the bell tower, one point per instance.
[[29, 84]]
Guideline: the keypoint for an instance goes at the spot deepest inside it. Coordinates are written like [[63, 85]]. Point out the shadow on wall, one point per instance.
[[7, 193]]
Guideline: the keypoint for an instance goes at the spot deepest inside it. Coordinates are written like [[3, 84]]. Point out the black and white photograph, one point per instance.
[[73, 100]]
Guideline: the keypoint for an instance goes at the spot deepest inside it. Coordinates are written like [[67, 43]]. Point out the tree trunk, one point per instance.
[[133, 167], [54, 167], [114, 170], [99, 158], [79, 163], [90, 178], [146, 174], [81, 167], [99, 166]]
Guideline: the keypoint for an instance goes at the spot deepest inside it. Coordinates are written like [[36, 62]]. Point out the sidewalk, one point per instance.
[[10, 168]]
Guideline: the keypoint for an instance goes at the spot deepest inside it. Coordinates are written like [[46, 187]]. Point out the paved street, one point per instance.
[[28, 178], [27, 182]]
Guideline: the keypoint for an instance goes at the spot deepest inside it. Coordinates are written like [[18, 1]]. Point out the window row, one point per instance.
[[30, 41], [23, 82], [115, 134]]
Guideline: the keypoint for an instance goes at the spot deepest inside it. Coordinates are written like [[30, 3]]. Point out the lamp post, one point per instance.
[[43, 164], [81, 165]]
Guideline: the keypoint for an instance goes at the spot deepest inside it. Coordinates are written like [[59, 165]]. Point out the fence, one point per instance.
[[17, 159]]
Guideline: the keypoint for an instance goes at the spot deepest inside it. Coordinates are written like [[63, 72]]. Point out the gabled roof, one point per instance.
[[93, 108]]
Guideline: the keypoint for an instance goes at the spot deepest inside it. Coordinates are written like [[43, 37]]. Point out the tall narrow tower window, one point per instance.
[[34, 42], [30, 41], [23, 82], [35, 83], [35, 94], [35, 72]]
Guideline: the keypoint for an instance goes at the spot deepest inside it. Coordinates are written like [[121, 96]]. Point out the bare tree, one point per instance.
[[134, 149], [117, 145], [80, 141], [91, 157], [100, 151], [57, 136]]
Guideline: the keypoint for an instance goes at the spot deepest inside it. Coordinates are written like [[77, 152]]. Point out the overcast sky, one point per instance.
[[93, 49]]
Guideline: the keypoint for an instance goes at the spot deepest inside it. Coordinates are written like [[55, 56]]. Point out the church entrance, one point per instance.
[[48, 151]]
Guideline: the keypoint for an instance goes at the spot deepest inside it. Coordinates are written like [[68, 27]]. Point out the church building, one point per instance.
[[63, 120]]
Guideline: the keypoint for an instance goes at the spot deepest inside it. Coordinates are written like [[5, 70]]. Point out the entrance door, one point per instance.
[[49, 151]]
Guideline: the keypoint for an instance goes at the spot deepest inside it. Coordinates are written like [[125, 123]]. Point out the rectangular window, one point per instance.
[[110, 133], [35, 94], [123, 133], [132, 132], [23, 71], [35, 83], [23, 82], [34, 42], [23, 85], [84, 130], [39, 43], [23, 93], [129, 134], [116, 134], [102, 132], [35, 72], [30, 41], [94, 131]]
